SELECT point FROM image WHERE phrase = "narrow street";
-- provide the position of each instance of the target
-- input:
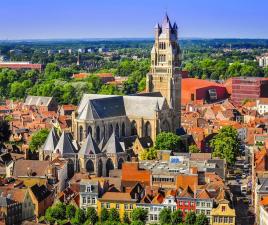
(242, 202)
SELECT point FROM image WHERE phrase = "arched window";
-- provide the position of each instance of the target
(123, 130)
(111, 129)
(104, 132)
(147, 129)
(117, 130)
(109, 166)
(165, 126)
(100, 165)
(120, 163)
(98, 134)
(90, 166)
(133, 128)
(80, 133)
(89, 130)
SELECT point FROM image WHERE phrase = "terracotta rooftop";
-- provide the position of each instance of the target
(116, 196)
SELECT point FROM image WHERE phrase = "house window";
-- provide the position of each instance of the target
(192, 203)
(93, 200)
(102, 205)
(186, 203)
(130, 206)
(197, 203)
(223, 209)
(208, 204)
(226, 219)
(88, 200)
(230, 219)
(117, 206)
(203, 204)
(126, 206)
(220, 219)
(108, 205)
(89, 189)
(84, 200)
(215, 219)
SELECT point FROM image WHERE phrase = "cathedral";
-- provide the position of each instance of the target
(102, 122)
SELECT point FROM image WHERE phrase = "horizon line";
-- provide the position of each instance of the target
(127, 38)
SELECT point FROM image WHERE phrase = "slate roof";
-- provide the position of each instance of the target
(113, 145)
(40, 192)
(37, 100)
(166, 23)
(65, 145)
(89, 147)
(94, 106)
(51, 141)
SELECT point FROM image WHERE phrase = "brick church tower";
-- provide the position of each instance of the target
(164, 76)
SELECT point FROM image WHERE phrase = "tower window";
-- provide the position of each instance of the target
(162, 58)
(162, 45)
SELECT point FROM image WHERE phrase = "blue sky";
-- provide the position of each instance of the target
(35, 19)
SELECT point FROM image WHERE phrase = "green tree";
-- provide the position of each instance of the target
(148, 154)
(137, 222)
(94, 84)
(165, 216)
(190, 218)
(226, 144)
(114, 215)
(201, 219)
(49, 216)
(4, 131)
(38, 139)
(139, 214)
(70, 211)
(80, 217)
(176, 217)
(194, 149)
(17, 90)
(104, 215)
(126, 219)
(167, 141)
(92, 216)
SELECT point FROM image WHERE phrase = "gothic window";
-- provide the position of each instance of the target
(133, 128)
(162, 45)
(100, 165)
(104, 131)
(90, 166)
(162, 58)
(165, 126)
(123, 130)
(80, 133)
(109, 166)
(147, 129)
(117, 130)
(120, 163)
(89, 130)
(98, 134)
(111, 129)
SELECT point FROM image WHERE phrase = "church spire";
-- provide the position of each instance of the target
(166, 23)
